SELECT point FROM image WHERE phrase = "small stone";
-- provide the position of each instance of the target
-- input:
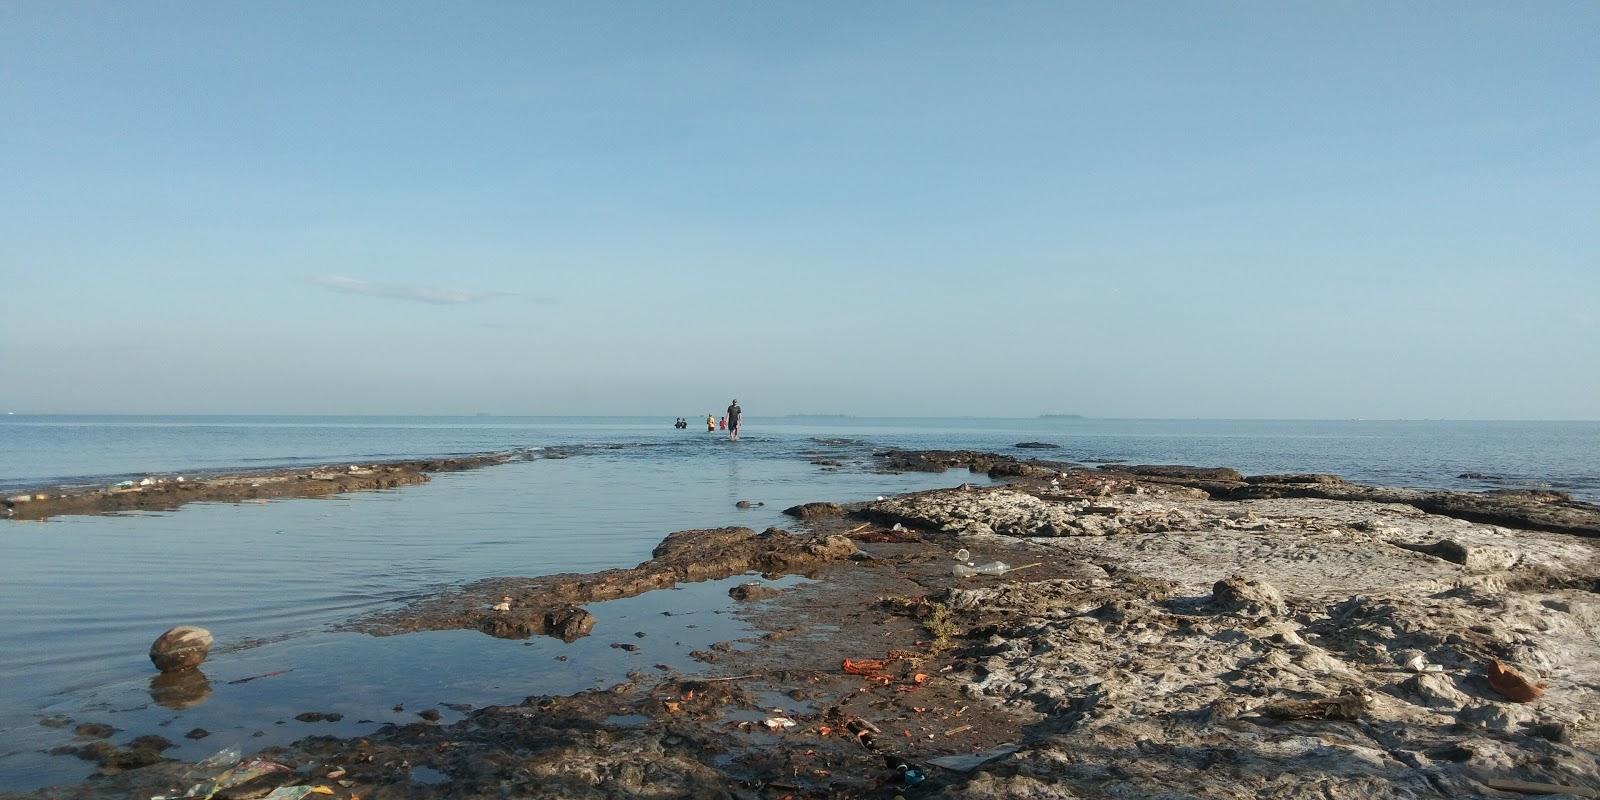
(1435, 690)
(131, 758)
(94, 730)
(197, 734)
(150, 741)
(752, 591)
(431, 715)
(1552, 730)
(628, 646)
(183, 647)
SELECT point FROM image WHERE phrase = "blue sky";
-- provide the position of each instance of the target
(1153, 209)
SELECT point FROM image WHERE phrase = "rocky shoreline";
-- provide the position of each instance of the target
(166, 492)
(1157, 632)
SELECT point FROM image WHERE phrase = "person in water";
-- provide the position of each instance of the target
(734, 411)
(711, 424)
(722, 423)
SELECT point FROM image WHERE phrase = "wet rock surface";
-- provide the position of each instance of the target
(182, 648)
(517, 608)
(994, 464)
(812, 510)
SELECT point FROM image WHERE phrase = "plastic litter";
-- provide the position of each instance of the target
(1511, 684)
(296, 792)
(1419, 664)
(991, 568)
(226, 757)
(233, 776)
(971, 761)
(963, 556)
(898, 527)
(779, 723)
(863, 666)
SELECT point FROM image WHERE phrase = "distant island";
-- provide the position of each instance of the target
(1060, 416)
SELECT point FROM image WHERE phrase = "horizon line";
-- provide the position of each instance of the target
(1037, 417)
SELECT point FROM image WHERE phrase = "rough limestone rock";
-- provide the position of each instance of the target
(1434, 690)
(1484, 558)
(183, 647)
(814, 510)
(1240, 595)
(569, 623)
(1003, 511)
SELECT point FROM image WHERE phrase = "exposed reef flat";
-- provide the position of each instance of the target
(1155, 633)
(164, 492)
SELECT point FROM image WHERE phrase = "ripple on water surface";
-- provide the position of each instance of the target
(87, 595)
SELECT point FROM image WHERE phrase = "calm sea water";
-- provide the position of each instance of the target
(82, 597)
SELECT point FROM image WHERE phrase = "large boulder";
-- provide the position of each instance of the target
(183, 647)
(814, 510)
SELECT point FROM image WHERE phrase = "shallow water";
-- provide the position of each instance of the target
(84, 596)
(35, 450)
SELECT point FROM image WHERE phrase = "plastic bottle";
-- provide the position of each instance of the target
(991, 568)
(963, 556)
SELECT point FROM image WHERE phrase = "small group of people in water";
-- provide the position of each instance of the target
(728, 422)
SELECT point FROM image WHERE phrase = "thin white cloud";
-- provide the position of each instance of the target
(399, 291)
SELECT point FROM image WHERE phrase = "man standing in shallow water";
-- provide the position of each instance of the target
(733, 421)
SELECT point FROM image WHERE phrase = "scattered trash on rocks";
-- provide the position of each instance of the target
(1348, 707)
(296, 792)
(1511, 684)
(970, 762)
(991, 568)
(230, 775)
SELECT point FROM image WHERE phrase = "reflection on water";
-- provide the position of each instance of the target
(180, 690)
